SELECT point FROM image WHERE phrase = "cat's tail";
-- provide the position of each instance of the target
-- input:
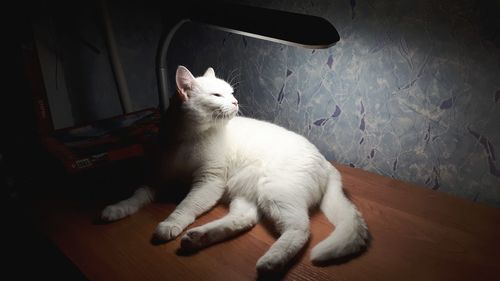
(351, 232)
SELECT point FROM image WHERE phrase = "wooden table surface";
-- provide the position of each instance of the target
(417, 234)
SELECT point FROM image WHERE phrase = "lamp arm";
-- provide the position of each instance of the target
(162, 65)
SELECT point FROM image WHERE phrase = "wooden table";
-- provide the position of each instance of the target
(418, 234)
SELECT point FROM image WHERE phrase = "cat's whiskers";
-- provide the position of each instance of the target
(220, 117)
(235, 73)
(236, 85)
(216, 111)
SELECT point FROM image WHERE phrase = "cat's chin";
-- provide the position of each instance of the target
(233, 114)
(227, 116)
(222, 120)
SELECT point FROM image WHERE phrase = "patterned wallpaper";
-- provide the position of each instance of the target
(412, 90)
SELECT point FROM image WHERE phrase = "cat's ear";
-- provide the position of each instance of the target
(185, 81)
(209, 73)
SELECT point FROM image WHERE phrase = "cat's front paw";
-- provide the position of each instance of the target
(194, 239)
(115, 212)
(167, 231)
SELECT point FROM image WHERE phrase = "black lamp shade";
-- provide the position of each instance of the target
(272, 25)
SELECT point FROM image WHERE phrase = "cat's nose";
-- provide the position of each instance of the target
(235, 102)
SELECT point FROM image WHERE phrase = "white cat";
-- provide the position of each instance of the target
(260, 168)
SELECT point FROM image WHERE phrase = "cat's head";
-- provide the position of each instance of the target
(206, 100)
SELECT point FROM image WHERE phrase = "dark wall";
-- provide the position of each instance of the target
(71, 44)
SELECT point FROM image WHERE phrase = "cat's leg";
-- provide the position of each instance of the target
(142, 196)
(242, 216)
(292, 221)
(204, 194)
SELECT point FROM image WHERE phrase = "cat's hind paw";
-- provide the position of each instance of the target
(167, 231)
(270, 263)
(194, 239)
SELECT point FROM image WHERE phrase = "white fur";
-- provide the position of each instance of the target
(260, 168)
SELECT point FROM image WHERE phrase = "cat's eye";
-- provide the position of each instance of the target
(217, 95)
